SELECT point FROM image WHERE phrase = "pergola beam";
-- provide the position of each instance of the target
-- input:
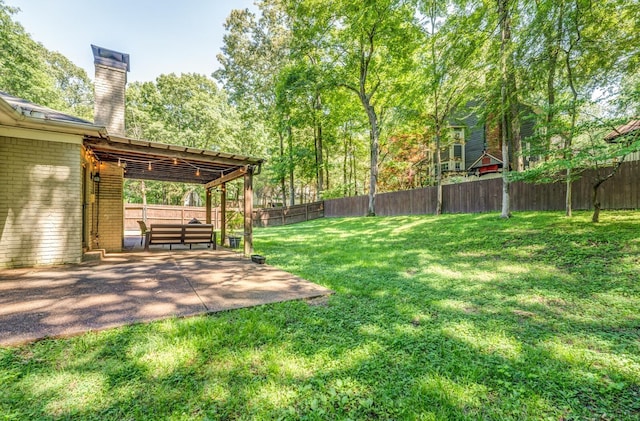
(227, 177)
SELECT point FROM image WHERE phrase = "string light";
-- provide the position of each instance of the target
(119, 163)
(149, 167)
(197, 172)
(175, 161)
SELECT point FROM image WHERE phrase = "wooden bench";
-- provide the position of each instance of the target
(180, 234)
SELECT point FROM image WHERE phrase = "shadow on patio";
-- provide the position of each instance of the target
(137, 286)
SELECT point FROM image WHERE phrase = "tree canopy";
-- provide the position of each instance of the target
(30, 71)
(347, 98)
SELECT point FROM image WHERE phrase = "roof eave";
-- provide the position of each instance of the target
(12, 117)
(185, 149)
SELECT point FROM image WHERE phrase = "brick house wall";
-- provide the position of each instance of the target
(109, 209)
(40, 201)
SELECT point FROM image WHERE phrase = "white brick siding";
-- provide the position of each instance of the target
(40, 202)
(109, 90)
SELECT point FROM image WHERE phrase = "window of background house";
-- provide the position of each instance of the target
(457, 151)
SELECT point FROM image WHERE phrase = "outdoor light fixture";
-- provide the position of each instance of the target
(149, 167)
(96, 177)
(197, 172)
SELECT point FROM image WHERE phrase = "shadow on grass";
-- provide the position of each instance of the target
(448, 318)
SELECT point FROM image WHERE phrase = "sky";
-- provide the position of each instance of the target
(160, 36)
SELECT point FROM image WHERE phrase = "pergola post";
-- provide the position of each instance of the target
(248, 212)
(223, 213)
(208, 205)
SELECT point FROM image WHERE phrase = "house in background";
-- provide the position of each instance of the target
(471, 147)
(61, 177)
(626, 133)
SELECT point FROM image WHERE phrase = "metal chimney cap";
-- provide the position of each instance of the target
(110, 58)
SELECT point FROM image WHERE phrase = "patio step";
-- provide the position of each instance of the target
(93, 255)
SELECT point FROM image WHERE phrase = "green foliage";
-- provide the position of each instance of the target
(188, 110)
(413, 64)
(590, 151)
(321, 89)
(23, 70)
(30, 71)
(72, 84)
(432, 318)
(160, 193)
(235, 222)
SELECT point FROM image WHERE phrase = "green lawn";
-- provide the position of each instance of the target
(450, 317)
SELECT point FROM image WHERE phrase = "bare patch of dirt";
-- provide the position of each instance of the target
(322, 301)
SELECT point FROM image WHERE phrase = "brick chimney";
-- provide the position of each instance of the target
(110, 81)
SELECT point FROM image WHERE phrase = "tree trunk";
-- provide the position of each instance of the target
(326, 158)
(437, 119)
(596, 204)
(345, 164)
(292, 187)
(573, 111)
(516, 138)
(553, 48)
(319, 161)
(514, 120)
(599, 181)
(438, 157)
(503, 12)
(506, 196)
(567, 200)
(354, 173)
(282, 180)
(374, 147)
(319, 147)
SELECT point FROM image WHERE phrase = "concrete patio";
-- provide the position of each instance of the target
(137, 287)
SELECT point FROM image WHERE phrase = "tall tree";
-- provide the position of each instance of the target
(447, 61)
(254, 52)
(505, 107)
(368, 42)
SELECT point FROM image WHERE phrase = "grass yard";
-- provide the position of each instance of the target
(450, 317)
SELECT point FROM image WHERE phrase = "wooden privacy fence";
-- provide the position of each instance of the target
(620, 192)
(262, 217)
(269, 217)
(165, 214)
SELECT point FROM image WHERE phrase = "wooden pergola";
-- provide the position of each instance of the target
(145, 160)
